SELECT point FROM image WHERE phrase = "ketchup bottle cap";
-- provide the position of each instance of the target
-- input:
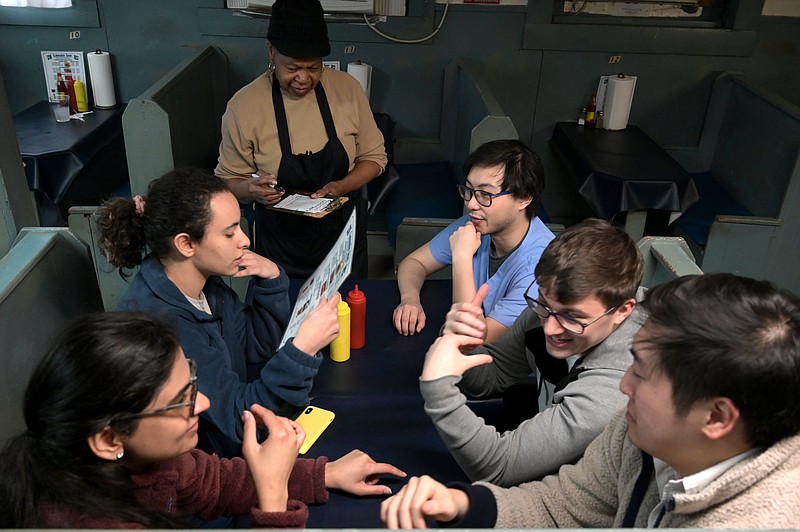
(355, 295)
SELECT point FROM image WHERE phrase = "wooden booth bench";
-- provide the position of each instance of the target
(169, 125)
(471, 116)
(175, 122)
(747, 172)
(46, 281)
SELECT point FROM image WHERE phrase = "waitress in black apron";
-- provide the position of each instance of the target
(299, 243)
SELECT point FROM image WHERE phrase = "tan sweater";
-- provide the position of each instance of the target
(250, 136)
(762, 491)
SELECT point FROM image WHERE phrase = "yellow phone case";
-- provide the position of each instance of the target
(314, 421)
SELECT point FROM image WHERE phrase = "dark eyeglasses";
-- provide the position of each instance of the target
(190, 387)
(565, 320)
(481, 196)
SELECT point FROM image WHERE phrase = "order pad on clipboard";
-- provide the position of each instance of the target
(325, 280)
(303, 204)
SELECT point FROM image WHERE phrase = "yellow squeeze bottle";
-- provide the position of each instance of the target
(80, 97)
(340, 347)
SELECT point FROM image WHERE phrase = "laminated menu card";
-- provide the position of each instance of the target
(325, 280)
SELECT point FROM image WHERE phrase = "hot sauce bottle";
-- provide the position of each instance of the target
(358, 317)
(591, 111)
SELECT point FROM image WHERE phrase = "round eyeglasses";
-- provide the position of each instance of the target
(190, 389)
(481, 196)
(565, 320)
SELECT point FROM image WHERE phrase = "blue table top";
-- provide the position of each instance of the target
(619, 171)
(38, 133)
(58, 155)
(389, 363)
(379, 410)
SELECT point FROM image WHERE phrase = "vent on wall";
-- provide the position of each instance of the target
(366, 7)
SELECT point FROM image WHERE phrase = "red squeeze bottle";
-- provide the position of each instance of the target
(73, 101)
(358, 317)
(61, 87)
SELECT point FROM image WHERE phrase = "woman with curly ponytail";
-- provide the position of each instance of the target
(185, 235)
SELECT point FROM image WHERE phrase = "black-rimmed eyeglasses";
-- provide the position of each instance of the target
(569, 323)
(190, 388)
(481, 196)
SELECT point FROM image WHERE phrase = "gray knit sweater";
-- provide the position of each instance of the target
(557, 435)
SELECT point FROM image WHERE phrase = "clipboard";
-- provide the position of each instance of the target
(332, 206)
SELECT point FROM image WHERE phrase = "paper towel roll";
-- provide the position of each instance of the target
(363, 73)
(618, 100)
(102, 80)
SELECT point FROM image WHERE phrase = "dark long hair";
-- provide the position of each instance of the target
(177, 202)
(101, 366)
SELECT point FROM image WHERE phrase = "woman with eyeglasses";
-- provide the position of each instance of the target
(112, 413)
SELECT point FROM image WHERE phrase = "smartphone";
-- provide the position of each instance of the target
(314, 421)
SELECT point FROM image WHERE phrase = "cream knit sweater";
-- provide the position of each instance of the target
(762, 491)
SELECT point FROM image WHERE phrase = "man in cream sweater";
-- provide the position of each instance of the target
(710, 437)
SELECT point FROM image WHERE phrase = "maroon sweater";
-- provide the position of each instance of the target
(207, 486)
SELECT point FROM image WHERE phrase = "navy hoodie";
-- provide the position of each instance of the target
(224, 344)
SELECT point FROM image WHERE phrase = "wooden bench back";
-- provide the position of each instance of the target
(176, 122)
(757, 147)
(46, 281)
(751, 146)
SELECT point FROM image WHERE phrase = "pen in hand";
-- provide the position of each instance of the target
(274, 187)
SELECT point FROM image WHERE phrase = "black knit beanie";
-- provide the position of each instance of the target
(297, 29)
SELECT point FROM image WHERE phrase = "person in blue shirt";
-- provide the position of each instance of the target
(190, 223)
(498, 242)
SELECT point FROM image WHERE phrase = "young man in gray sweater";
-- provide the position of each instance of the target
(584, 316)
(710, 437)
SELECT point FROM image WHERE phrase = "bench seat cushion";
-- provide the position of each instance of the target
(424, 190)
(714, 200)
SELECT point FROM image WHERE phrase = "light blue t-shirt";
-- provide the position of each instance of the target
(504, 303)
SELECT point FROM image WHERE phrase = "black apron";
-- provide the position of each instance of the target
(299, 243)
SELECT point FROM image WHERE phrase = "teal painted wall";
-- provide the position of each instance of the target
(541, 73)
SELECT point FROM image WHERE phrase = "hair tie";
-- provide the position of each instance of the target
(140, 203)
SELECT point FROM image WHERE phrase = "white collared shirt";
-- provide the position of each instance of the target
(669, 484)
